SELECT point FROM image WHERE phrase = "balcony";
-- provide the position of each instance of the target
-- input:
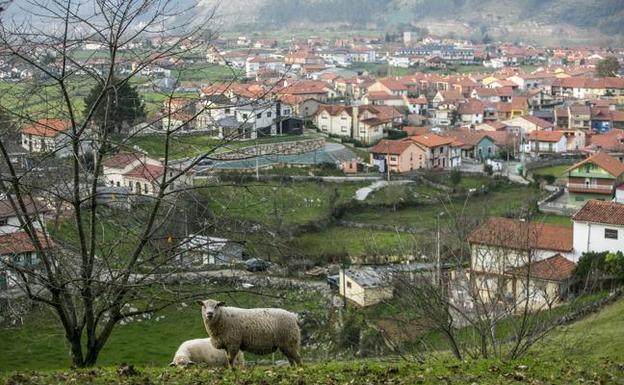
(589, 188)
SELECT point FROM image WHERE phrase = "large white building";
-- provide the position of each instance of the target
(598, 227)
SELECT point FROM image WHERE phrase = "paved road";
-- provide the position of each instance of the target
(363, 193)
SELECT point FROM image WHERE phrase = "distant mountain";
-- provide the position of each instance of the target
(551, 20)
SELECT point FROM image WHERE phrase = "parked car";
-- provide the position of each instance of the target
(333, 281)
(256, 264)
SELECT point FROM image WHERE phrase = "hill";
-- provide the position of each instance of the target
(550, 21)
(589, 351)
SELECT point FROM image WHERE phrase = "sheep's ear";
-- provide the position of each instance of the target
(220, 303)
(172, 364)
(200, 302)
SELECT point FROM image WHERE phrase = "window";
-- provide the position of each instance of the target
(259, 116)
(227, 111)
(245, 116)
(268, 114)
(611, 234)
(118, 184)
(145, 189)
(4, 221)
(349, 285)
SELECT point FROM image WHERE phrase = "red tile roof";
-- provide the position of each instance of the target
(604, 161)
(394, 147)
(19, 242)
(431, 140)
(6, 210)
(556, 268)
(146, 171)
(541, 123)
(546, 136)
(610, 213)
(612, 141)
(121, 160)
(47, 127)
(521, 235)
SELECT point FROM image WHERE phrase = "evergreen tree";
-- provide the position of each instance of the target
(120, 107)
(607, 67)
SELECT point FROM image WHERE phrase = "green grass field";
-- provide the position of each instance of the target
(336, 242)
(207, 73)
(498, 202)
(557, 171)
(40, 343)
(294, 203)
(588, 351)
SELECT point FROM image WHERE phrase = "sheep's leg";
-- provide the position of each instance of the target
(232, 353)
(293, 356)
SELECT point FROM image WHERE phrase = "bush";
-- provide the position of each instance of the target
(488, 169)
(396, 134)
(455, 177)
(550, 179)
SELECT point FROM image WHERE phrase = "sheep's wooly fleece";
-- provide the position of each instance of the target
(259, 331)
(200, 351)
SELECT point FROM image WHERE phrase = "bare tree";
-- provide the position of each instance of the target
(89, 281)
(495, 297)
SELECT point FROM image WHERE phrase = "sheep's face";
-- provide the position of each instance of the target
(210, 308)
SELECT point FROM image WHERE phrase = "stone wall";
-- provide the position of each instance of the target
(280, 148)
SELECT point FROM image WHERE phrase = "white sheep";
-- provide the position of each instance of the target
(201, 350)
(258, 331)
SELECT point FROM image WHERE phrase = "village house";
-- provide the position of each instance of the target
(542, 284)
(137, 173)
(527, 124)
(10, 216)
(501, 245)
(47, 135)
(17, 249)
(334, 120)
(477, 145)
(546, 142)
(438, 150)
(399, 155)
(598, 227)
(573, 117)
(611, 142)
(595, 177)
(365, 123)
(364, 286)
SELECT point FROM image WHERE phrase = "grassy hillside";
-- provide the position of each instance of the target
(589, 351)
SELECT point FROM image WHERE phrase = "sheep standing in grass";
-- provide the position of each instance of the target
(202, 351)
(258, 331)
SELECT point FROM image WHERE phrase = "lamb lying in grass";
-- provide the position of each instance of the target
(202, 351)
(258, 331)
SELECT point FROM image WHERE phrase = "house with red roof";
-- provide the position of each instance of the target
(19, 252)
(541, 284)
(599, 227)
(546, 142)
(398, 155)
(366, 123)
(595, 177)
(137, 174)
(46, 135)
(501, 248)
(438, 148)
(527, 124)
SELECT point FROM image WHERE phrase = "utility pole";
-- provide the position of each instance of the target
(257, 155)
(388, 159)
(438, 275)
